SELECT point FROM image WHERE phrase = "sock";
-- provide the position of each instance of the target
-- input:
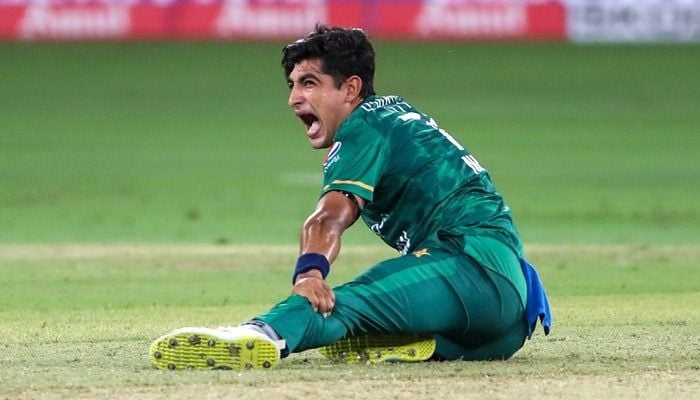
(268, 331)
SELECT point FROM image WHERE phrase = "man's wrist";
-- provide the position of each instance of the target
(312, 273)
(311, 261)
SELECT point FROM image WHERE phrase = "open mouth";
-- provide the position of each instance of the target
(313, 125)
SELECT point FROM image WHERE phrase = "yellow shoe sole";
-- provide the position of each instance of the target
(382, 348)
(203, 348)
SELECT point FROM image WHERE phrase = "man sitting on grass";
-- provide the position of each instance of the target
(460, 288)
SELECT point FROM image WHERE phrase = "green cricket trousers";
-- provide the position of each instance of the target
(473, 312)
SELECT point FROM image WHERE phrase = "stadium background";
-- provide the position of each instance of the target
(152, 176)
(166, 120)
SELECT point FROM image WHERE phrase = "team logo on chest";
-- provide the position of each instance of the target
(332, 156)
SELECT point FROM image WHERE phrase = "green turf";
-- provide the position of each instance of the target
(193, 142)
(77, 321)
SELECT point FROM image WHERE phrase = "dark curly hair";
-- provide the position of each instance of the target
(343, 52)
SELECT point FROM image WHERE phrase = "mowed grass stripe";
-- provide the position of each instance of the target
(619, 252)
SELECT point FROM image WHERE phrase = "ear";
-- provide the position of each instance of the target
(353, 86)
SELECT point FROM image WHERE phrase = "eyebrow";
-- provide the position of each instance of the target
(308, 75)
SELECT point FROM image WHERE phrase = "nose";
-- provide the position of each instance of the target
(295, 98)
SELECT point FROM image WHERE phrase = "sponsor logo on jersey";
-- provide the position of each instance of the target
(332, 156)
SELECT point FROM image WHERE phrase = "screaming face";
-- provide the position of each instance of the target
(319, 103)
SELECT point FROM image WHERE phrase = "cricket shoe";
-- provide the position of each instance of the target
(380, 348)
(237, 348)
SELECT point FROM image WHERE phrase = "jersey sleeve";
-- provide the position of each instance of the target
(356, 165)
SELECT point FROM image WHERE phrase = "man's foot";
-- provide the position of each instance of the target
(383, 348)
(236, 348)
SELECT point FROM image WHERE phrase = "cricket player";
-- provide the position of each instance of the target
(459, 288)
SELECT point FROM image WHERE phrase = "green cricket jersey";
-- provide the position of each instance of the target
(422, 187)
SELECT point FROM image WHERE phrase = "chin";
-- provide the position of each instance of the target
(319, 146)
(320, 143)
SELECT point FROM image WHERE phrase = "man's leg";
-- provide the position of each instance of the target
(497, 329)
(500, 349)
(434, 293)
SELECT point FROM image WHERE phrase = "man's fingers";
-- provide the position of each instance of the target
(327, 299)
(322, 300)
(305, 290)
(314, 300)
(317, 292)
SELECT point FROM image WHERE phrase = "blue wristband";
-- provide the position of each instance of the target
(311, 261)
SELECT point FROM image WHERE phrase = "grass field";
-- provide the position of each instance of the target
(77, 321)
(148, 186)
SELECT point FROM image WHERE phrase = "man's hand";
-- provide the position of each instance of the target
(311, 285)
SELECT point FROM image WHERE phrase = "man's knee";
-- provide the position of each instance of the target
(501, 348)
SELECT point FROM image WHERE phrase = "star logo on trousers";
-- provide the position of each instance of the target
(420, 253)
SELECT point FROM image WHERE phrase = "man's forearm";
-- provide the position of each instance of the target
(322, 231)
(321, 235)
